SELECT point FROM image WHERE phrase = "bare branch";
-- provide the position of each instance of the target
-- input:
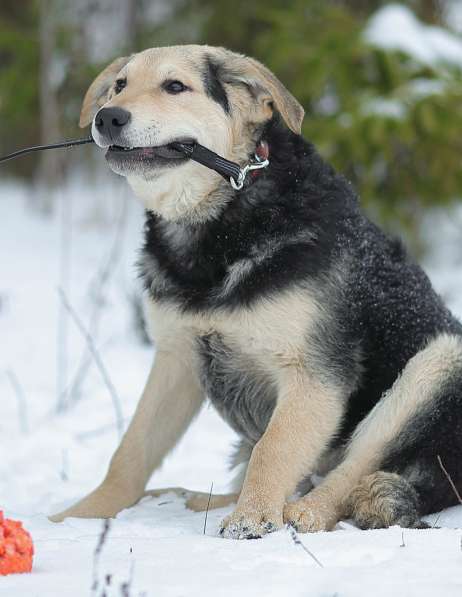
(65, 270)
(448, 476)
(99, 282)
(65, 466)
(97, 554)
(21, 400)
(98, 361)
(298, 542)
(126, 587)
(207, 509)
(437, 519)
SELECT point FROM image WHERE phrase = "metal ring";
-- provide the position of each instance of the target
(238, 185)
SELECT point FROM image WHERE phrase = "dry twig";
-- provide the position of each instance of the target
(126, 587)
(97, 554)
(402, 539)
(98, 361)
(99, 283)
(65, 270)
(21, 400)
(207, 509)
(448, 476)
(298, 542)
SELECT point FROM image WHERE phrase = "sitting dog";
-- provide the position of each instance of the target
(313, 334)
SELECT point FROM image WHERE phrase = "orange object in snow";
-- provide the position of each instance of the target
(16, 547)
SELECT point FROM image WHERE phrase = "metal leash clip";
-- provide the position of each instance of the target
(258, 165)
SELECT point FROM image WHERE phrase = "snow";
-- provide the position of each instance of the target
(395, 27)
(393, 109)
(53, 458)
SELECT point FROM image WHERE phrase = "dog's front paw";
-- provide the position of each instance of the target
(310, 514)
(246, 524)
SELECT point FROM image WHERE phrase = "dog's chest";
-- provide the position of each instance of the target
(238, 354)
(273, 331)
(242, 326)
(243, 393)
(225, 265)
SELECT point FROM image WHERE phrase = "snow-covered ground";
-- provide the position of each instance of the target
(49, 458)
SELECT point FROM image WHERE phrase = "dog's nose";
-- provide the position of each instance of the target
(109, 121)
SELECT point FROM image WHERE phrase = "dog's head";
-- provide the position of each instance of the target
(141, 104)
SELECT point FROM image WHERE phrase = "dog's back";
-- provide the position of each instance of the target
(395, 311)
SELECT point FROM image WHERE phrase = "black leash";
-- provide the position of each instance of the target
(70, 143)
(208, 158)
(229, 170)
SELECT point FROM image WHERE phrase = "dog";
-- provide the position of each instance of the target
(313, 333)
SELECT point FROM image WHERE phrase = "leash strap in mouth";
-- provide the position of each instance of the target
(227, 169)
(70, 143)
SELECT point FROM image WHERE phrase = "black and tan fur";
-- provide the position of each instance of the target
(313, 334)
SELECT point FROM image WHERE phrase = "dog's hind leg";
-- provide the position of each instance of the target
(384, 499)
(198, 501)
(425, 382)
(171, 398)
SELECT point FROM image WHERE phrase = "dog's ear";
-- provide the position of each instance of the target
(266, 88)
(98, 90)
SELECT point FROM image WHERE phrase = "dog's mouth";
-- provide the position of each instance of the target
(175, 151)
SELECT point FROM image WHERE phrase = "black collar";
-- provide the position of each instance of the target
(229, 170)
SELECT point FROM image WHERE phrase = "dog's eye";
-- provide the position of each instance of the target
(119, 85)
(174, 87)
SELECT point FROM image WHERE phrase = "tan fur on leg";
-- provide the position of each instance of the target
(169, 402)
(418, 383)
(314, 512)
(198, 501)
(305, 418)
